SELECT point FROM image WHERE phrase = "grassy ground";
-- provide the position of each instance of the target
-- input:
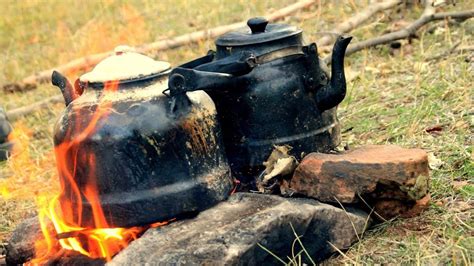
(396, 97)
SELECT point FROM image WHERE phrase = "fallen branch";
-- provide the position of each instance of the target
(87, 62)
(406, 32)
(22, 111)
(212, 33)
(356, 20)
(180, 40)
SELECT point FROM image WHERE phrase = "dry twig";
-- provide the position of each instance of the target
(22, 111)
(356, 20)
(406, 32)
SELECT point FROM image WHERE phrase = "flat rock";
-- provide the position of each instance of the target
(230, 233)
(379, 173)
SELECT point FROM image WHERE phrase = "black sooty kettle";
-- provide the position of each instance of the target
(269, 89)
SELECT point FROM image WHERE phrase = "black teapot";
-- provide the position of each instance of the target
(127, 152)
(269, 89)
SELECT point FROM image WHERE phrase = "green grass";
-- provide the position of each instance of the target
(393, 100)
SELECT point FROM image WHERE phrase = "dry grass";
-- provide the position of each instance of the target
(394, 100)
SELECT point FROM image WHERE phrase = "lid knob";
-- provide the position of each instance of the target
(257, 25)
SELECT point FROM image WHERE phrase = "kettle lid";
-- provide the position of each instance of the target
(258, 31)
(125, 65)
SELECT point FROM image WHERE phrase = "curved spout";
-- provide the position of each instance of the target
(65, 86)
(333, 93)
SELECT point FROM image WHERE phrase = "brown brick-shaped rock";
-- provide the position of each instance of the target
(376, 172)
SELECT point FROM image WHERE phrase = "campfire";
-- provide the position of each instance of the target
(93, 243)
(146, 153)
(64, 211)
(101, 207)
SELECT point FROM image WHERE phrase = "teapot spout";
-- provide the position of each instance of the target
(333, 93)
(65, 86)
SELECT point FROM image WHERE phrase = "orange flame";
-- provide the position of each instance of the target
(101, 241)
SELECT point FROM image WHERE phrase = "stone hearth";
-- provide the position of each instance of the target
(229, 233)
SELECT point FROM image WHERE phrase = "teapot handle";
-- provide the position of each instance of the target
(183, 80)
(208, 75)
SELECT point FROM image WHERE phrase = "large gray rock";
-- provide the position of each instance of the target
(229, 233)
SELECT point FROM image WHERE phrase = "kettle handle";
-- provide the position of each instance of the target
(206, 74)
(184, 80)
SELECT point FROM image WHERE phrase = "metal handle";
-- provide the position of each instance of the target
(210, 76)
(219, 75)
(184, 80)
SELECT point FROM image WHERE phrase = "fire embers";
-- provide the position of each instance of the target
(58, 236)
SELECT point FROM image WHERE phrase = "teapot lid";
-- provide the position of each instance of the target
(258, 31)
(125, 65)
